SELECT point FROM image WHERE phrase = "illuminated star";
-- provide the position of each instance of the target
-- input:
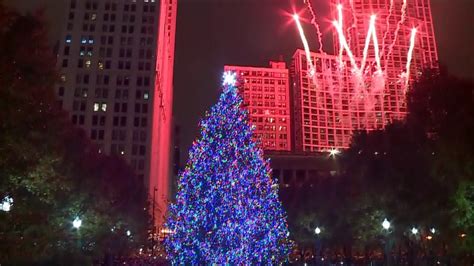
(229, 78)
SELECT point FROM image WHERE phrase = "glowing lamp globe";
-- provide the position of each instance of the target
(317, 230)
(414, 231)
(77, 223)
(386, 224)
(6, 204)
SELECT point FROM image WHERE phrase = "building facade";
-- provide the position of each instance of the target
(380, 48)
(161, 162)
(333, 103)
(266, 96)
(299, 169)
(107, 59)
(393, 26)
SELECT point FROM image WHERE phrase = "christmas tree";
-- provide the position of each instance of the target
(227, 209)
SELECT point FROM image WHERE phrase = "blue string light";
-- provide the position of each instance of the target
(227, 210)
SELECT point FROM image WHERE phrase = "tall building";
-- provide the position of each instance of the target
(329, 106)
(381, 47)
(265, 92)
(108, 62)
(160, 159)
(393, 26)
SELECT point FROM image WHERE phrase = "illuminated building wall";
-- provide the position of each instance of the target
(265, 93)
(107, 69)
(160, 162)
(393, 26)
(107, 59)
(328, 108)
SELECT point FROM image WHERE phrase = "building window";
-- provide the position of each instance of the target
(66, 50)
(100, 107)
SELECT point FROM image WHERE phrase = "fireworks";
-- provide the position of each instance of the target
(344, 48)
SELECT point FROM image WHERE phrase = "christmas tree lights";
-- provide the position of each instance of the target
(227, 209)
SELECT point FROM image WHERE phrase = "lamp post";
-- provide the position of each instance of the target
(6, 204)
(319, 255)
(77, 223)
(386, 226)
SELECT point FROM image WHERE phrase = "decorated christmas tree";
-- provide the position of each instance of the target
(227, 209)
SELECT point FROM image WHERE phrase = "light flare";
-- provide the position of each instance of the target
(367, 42)
(305, 45)
(343, 42)
(376, 43)
(339, 21)
(410, 55)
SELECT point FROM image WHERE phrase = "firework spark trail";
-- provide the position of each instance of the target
(387, 27)
(354, 20)
(306, 47)
(399, 24)
(345, 45)
(357, 74)
(367, 41)
(315, 24)
(409, 57)
(376, 43)
(339, 13)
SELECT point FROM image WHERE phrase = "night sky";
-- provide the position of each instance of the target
(212, 33)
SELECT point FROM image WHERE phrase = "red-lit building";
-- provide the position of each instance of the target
(330, 106)
(161, 162)
(393, 26)
(265, 92)
(363, 85)
(115, 60)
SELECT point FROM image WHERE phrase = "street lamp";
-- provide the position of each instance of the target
(318, 247)
(433, 230)
(6, 204)
(317, 230)
(334, 152)
(128, 233)
(77, 223)
(414, 231)
(386, 224)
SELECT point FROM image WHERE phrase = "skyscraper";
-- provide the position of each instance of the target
(161, 148)
(380, 48)
(108, 60)
(331, 105)
(394, 22)
(265, 92)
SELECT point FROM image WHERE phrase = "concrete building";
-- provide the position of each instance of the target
(109, 55)
(265, 92)
(297, 169)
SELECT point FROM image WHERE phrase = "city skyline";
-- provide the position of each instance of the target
(313, 121)
(266, 23)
